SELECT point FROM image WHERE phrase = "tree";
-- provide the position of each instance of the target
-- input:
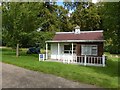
(64, 23)
(85, 15)
(21, 20)
(110, 22)
(18, 20)
(53, 18)
(104, 16)
(39, 37)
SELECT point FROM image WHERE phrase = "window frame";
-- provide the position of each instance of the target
(70, 49)
(91, 48)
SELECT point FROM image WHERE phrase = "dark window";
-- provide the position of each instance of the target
(68, 48)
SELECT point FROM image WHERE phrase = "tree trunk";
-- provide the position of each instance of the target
(17, 50)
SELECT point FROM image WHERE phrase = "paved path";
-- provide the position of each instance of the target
(17, 77)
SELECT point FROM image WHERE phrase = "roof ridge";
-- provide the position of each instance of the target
(80, 32)
(91, 31)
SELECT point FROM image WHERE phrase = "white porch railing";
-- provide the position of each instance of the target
(84, 60)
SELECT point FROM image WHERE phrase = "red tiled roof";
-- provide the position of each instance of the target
(82, 36)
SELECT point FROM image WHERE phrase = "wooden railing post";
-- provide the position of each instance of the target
(43, 57)
(68, 59)
(103, 61)
(17, 50)
(75, 58)
(63, 57)
(58, 56)
(72, 52)
(39, 57)
(46, 51)
(85, 60)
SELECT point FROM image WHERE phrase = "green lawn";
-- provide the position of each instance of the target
(99, 76)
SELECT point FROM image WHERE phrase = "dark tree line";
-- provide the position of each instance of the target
(34, 22)
(102, 15)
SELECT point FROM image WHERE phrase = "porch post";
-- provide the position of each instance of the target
(85, 60)
(103, 60)
(46, 51)
(58, 56)
(72, 52)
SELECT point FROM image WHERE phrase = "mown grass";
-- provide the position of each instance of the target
(106, 77)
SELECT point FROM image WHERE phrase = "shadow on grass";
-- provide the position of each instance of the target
(21, 53)
(110, 69)
(25, 54)
(10, 51)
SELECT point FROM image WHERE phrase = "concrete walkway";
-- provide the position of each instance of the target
(17, 77)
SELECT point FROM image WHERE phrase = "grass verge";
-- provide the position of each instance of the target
(106, 77)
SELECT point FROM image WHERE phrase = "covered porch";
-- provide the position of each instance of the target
(72, 56)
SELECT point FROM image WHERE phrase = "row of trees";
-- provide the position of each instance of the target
(34, 22)
(22, 21)
(102, 15)
(110, 16)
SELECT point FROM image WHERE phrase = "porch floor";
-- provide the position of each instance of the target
(51, 60)
(77, 63)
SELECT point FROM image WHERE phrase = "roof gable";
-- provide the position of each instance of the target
(84, 35)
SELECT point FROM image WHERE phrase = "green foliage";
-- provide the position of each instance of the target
(22, 20)
(103, 15)
(106, 77)
(86, 18)
(18, 19)
(110, 23)
(40, 37)
(85, 15)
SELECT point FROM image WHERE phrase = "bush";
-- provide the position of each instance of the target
(112, 49)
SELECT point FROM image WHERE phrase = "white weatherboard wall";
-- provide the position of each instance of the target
(54, 51)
